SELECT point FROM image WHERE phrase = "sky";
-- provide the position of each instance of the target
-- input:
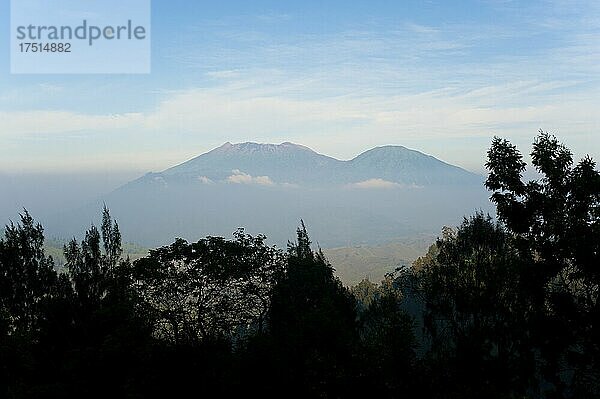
(340, 77)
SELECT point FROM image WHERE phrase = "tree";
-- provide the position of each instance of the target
(207, 301)
(474, 312)
(92, 270)
(106, 332)
(365, 293)
(214, 288)
(27, 278)
(388, 360)
(312, 324)
(556, 221)
(27, 287)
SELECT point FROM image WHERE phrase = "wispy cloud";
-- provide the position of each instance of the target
(375, 184)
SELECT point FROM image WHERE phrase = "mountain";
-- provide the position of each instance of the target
(283, 163)
(400, 165)
(289, 163)
(383, 194)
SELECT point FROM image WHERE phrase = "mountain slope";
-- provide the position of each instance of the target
(401, 165)
(283, 163)
(289, 163)
(379, 196)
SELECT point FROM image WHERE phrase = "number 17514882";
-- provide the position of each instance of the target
(45, 47)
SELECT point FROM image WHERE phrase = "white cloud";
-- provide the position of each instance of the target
(375, 184)
(205, 180)
(239, 177)
(251, 113)
(160, 180)
(338, 126)
(379, 184)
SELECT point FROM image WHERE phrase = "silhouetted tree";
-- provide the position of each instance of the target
(206, 300)
(27, 278)
(209, 289)
(312, 324)
(102, 331)
(91, 268)
(388, 360)
(474, 313)
(556, 220)
(27, 286)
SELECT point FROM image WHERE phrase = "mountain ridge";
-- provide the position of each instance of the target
(380, 195)
(291, 163)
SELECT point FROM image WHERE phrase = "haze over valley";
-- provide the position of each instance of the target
(383, 194)
(387, 197)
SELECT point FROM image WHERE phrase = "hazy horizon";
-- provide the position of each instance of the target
(382, 195)
(340, 78)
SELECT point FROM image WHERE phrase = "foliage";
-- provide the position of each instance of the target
(474, 311)
(26, 278)
(556, 223)
(209, 289)
(312, 322)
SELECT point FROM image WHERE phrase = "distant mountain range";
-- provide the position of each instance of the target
(293, 164)
(384, 194)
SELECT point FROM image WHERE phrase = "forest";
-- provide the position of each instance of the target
(502, 306)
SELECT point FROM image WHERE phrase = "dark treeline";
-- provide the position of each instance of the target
(495, 309)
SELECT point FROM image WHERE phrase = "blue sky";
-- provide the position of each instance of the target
(338, 76)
